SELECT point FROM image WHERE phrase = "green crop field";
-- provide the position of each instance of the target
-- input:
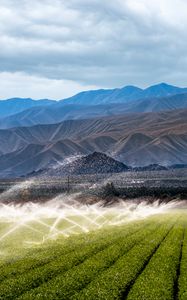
(140, 259)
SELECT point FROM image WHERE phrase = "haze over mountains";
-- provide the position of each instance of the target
(138, 127)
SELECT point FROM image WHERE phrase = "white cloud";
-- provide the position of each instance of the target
(23, 85)
(94, 43)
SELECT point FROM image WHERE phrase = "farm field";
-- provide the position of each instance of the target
(94, 257)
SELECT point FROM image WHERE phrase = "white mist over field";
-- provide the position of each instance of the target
(64, 216)
(15, 189)
(37, 222)
(65, 205)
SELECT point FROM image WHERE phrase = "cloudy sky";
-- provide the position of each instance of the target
(53, 49)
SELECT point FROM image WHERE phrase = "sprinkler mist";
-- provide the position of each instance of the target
(64, 216)
(16, 190)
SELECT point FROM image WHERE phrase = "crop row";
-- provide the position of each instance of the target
(113, 282)
(68, 243)
(64, 285)
(183, 271)
(40, 258)
(159, 278)
(12, 287)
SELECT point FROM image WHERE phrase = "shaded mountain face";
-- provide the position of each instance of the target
(137, 127)
(59, 112)
(95, 163)
(16, 105)
(152, 167)
(136, 140)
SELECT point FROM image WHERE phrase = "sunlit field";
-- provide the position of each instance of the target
(62, 250)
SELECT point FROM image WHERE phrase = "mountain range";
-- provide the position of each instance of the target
(48, 113)
(134, 139)
(95, 97)
(124, 95)
(137, 127)
(15, 105)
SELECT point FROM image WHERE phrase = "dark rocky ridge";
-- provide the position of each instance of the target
(95, 163)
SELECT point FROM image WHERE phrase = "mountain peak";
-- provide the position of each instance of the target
(164, 84)
(131, 88)
(163, 90)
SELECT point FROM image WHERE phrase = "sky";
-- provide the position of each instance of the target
(54, 49)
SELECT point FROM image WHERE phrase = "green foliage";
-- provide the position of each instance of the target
(37, 275)
(53, 250)
(183, 271)
(139, 260)
(113, 282)
(76, 278)
(157, 281)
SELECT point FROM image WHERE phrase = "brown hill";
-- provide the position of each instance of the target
(135, 139)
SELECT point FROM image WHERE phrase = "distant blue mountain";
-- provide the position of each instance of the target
(124, 95)
(15, 105)
(58, 112)
(134, 98)
(163, 90)
(103, 96)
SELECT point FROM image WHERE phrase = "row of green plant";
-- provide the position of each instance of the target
(54, 250)
(158, 281)
(182, 295)
(113, 282)
(65, 285)
(15, 286)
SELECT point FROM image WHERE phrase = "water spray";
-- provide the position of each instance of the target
(64, 216)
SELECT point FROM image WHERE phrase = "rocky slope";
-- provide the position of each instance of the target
(134, 139)
(95, 163)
